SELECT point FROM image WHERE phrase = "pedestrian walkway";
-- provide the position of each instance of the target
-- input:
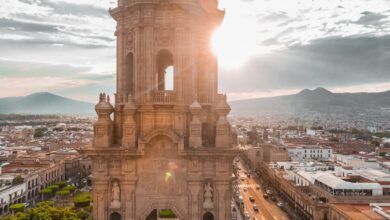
(241, 186)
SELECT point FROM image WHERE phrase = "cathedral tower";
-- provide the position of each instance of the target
(164, 147)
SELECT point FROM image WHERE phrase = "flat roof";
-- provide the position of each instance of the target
(358, 211)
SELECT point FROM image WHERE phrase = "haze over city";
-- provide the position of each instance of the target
(265, 48)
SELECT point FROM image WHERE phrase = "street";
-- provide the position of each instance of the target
(268, 210)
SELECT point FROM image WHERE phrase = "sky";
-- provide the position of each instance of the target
(265, 47)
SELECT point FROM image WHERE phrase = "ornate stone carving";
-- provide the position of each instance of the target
(208, 196)
(164, 37)
(115, 195)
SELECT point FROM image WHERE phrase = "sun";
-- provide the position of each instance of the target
(233, 46)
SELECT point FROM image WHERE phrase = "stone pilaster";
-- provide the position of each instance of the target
(129, 200)
(223, 126)
(195, 200)
(129, 136)
(118, 120)
(224, 209)
(100, 202)
(195, 126)
(148, 65)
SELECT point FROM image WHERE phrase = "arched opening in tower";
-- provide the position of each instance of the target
(115, 216)
(129, 74)
(165, 71)
(208, 216)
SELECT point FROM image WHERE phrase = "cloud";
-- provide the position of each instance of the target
(369, 18)
(282, 45)
(331, 62)
(20, 78)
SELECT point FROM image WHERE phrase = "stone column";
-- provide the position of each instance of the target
(194, 202)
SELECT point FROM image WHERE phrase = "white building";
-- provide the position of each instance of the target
(10, 194)
(357, 162)
(310, 153)
(335, 185)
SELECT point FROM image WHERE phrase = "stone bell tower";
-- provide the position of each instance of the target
(164, 147)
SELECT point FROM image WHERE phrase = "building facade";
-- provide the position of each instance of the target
(273, 153)
(168, 147)
(310, 153)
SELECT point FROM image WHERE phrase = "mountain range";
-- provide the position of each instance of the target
(44, 103)
(305, 103)
(316, 102)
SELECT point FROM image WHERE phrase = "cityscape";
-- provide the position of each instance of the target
(151, 110)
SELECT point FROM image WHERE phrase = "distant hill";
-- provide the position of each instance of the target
(316, 102)
(44, 103)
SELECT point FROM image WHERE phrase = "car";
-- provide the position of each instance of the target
(265, 196)
(255, 208)
(251, 199)
(268, 191)
(280, 204)
(245, 189)
(247, 216)
(257, 187)
(273, 198)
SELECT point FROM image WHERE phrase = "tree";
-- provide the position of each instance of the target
(82, 199)
(45, 211)
(17, 180)
(19, 207)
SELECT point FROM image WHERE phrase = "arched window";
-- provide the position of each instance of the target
(115, 216)
(208, 216)
(165, 70)
(129, 74)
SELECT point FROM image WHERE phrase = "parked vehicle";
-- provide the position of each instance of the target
(251, 199)
(273, 198)
(265, 196)
(280, 204)
(255, 208)
(247, 216)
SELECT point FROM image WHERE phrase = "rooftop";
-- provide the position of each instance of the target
(361, 211)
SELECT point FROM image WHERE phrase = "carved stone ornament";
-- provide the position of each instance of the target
(115, 195)
(208, 196)
(164, 37)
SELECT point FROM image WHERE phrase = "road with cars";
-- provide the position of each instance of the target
(253, 196)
